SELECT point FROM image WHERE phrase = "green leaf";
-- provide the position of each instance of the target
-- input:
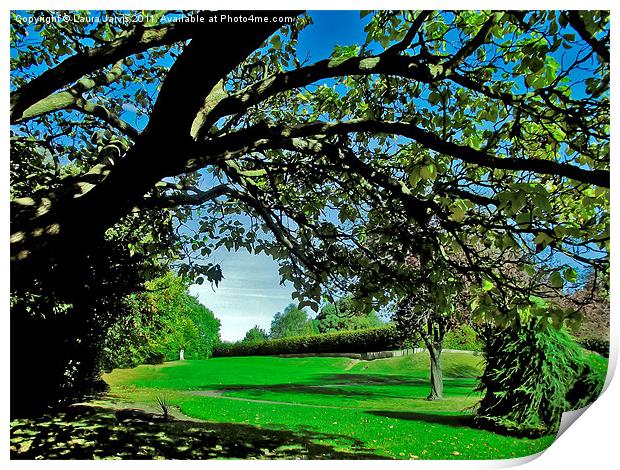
(487, 285)
(428, 172)
(535, 64)
(559, 231)
(276, 42)
(414, 178)
(434, 98)
(543, 239)
(556, 280)
(570, 275)
(458, 213)
(538, 302)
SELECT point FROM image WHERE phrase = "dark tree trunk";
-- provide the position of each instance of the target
(434, 351)
(58, 249)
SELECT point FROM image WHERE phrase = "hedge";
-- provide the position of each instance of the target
(384, 338)
(600, 346)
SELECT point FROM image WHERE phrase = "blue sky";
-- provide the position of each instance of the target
(250, 293)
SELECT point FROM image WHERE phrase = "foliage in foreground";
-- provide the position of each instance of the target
(343, 315)
(533, 375)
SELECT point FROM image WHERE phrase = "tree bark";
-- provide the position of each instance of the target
(434, 351)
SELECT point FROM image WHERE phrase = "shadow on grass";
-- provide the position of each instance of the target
(338, 385)
(456, 421)
(88, 432)
(330, 390)
(379, 379)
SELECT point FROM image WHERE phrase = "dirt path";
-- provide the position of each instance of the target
(120, 405)
(220, 394)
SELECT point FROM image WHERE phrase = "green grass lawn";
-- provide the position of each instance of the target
(329, 407)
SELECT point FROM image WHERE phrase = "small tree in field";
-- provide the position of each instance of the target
(429, 313)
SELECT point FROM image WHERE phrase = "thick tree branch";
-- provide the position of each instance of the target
(67, 98)
(264, 136)
(105, 115)
(412, 67)
(185, 199)
(72, 99)
(461, 152)
(79, 65)
(408, 67)
(411, 33)
(578, 25)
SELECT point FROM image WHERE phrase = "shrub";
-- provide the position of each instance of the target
(532, 376)
(463, 337)
(154, 357)
(371, 339)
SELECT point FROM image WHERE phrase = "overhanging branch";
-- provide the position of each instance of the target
(79, 65)
(460, 152)
(578, 25)
(185, 199)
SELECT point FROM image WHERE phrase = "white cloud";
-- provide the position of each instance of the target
(130, 108)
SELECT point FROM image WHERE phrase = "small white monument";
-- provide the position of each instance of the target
(181, 354)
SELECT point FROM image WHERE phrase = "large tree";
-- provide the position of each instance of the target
(160, 322)
(463, 134)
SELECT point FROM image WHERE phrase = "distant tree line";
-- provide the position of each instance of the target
(341, 315)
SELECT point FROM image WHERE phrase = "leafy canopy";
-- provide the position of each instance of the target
(343, 315)
(479, 138)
